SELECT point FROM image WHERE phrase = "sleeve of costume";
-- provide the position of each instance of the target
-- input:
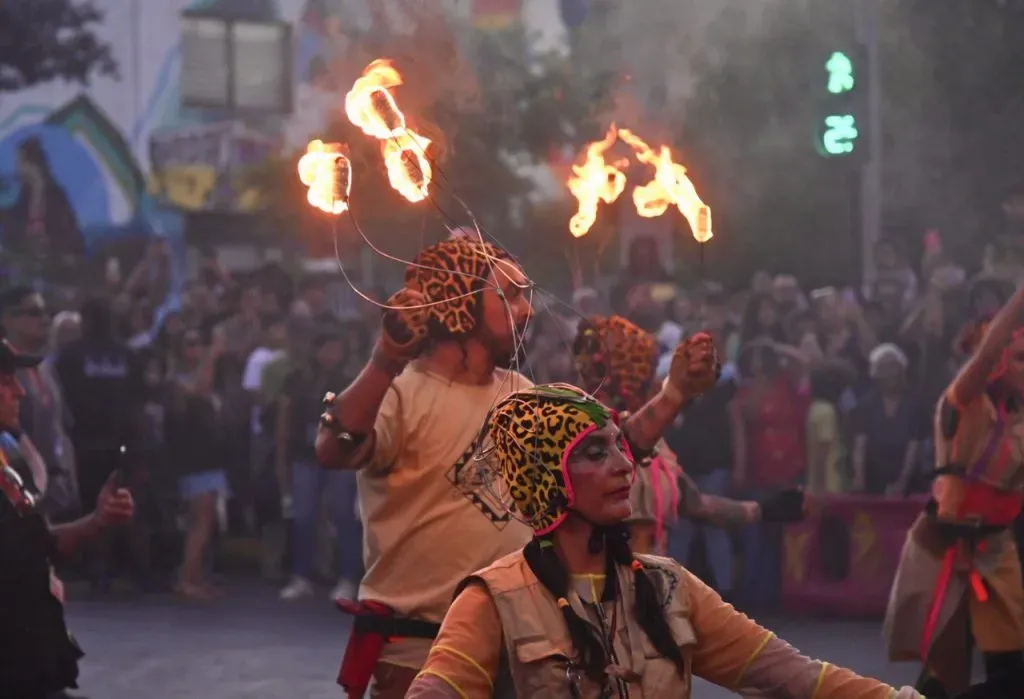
(463, 662)
(736, 653)
(388, 431)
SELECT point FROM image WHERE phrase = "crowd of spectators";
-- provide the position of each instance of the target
(207, 408)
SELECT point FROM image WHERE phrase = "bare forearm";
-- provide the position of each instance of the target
(72, 536)
(355, 412)
(713, 509)
(645, 427)
(971, 381)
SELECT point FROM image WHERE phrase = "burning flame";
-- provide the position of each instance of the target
(670, 186)
(328, 174)
(595, 181)
(371, 107)
(408, 168)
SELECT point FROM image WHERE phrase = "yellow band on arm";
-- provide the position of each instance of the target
(433, 673)
(821, 680)
(465, 658)
(753, 656)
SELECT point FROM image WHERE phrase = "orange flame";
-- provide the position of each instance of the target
(371, 107)
(408, 168)
(328, 174)
(595, 181)
(670, 186)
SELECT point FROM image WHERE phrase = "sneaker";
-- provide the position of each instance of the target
(298, 587)
(345, 589)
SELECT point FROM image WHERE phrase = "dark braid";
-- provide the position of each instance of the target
(648, 610)
(540, 556)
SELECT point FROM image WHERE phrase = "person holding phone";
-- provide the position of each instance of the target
(37, 655)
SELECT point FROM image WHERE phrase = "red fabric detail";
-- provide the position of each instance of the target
(363, 650)
(991, 504)
(941, 585)
(775, 427)
(994, 507)
(978, 585)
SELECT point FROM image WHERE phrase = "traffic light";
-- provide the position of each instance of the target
(840, 116)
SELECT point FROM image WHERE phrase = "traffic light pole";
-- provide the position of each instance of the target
(871, 173)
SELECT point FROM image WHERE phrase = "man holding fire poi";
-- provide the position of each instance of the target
(408, 423)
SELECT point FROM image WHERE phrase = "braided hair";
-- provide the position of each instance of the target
(543, 561)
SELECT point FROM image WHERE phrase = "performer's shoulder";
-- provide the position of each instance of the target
(649, 560)
(514, 380)
(507, 573)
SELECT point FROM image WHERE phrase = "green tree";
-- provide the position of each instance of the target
(951, 88)
(45, 40)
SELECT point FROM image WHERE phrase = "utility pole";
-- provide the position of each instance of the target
(871, 173)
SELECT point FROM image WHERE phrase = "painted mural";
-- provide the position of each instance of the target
(80, 164)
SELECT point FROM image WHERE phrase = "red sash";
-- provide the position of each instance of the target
(987, 505)
(363, 650)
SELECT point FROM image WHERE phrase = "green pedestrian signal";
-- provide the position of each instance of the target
(840, 73)
(840, 134)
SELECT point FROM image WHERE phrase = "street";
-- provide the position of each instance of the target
(251, 645)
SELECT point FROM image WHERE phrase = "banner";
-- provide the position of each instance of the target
(842, 559)
(495, 15)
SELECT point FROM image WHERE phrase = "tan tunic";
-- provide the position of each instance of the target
(917, 627)
(428, 516)
(505, 636)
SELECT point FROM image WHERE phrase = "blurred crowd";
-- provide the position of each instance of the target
(207, 408)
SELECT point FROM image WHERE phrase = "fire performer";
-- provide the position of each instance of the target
(408, 423)
(576, 613)
(959, 579)
(37, 655)
(616, 361)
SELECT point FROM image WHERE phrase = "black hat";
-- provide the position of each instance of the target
(11, 360)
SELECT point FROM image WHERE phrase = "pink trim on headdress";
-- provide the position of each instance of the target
(569, 492)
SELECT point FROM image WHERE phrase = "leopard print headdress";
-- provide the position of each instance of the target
(525, 443)
(451, 274)
(616, 356)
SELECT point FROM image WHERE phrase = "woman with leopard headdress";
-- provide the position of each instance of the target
(408, 423)
(616, 360)
(575, 613)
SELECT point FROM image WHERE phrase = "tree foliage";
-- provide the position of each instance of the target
(45, 40)
(953, 102)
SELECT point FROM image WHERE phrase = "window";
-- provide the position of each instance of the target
(235, 64)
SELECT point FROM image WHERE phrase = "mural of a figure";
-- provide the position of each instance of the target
(42, 220)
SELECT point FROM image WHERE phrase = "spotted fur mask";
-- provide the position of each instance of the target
(526, 442)
(616, 357)
(451, 275)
